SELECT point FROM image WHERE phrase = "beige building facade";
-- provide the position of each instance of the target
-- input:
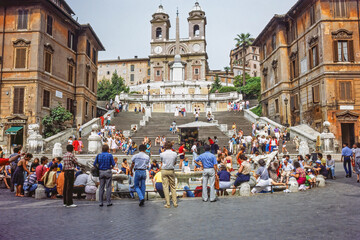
(252, 61)
(310, 57)
(134, 71)
(47, 58)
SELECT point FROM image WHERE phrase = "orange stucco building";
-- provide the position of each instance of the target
(310, 57)
(47, 58)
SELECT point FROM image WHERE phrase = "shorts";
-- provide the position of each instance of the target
(182, 156)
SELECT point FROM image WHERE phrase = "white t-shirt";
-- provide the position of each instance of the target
(194, 149)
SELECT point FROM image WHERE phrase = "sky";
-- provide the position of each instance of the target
(123, 26)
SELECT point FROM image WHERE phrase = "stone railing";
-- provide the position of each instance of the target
(303, 131)
(63, 136)
(180, 97)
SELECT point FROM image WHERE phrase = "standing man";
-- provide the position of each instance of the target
(105, 162)
(168, 160)
(13, 164)
(69, 174)
(209, 163)
(140, 163)
(346, 155)
(194, 151)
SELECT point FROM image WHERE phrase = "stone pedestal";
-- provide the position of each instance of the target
(294, 186)
(57, 150)
(320, 180)
(148, 111)
(94, 141)
(244, 189)
(327, 139)
(252, 181)
(40, 192)
(35, 141)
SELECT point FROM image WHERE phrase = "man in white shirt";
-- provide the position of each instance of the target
(286, 170)
(194, 151)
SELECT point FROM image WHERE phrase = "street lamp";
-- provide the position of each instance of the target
(208, 87)
(148, 101)
(286, 101)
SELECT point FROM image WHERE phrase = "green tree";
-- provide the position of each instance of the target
(109, 89)
(216, 84)
(244, 40)
(55, 122)
(252, 89)
(238, 81)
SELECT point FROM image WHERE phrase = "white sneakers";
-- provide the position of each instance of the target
(71, 206)
(287, 191)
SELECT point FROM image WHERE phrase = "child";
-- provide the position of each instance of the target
(185, 165)
(330, 165)
(310, 179)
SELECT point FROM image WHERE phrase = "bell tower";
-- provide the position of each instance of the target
(160, 25)
(197, 23)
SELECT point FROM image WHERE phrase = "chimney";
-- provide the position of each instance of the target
(136, 56)
(118, 57)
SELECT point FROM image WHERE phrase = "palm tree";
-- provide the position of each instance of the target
(227, 69)
(243, 40)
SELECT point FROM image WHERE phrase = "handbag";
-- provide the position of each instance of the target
(217, 183)
(95, 170)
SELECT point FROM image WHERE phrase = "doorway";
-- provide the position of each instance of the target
(348, 133)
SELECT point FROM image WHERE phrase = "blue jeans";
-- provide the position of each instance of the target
(347, 161)
(332, 169)
(139, 183)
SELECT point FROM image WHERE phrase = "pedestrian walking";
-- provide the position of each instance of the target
(209, 163)
(105, 162)
(356, 156)
(168, 160)
(69, 171)
(346, 156)
(140, 163)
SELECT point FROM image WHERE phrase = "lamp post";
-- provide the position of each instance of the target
(208, 87)
(148, 100)
(286, 101)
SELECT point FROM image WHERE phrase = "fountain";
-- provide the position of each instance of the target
(35, 143)
(304, 148)
(183, 178)
(57, 150)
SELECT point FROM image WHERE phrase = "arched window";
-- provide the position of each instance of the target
(196, 30)
(158, 32)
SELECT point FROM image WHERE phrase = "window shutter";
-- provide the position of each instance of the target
(342, 90)
(348, 91)
(351, 51)
(21, 100)
(335, 50)
(310, 59)
(291, 70)
(69, 39)
(317, 56)
(297, 102)
(296, 70)
(20, 19)
(16, 101)
(292, 103)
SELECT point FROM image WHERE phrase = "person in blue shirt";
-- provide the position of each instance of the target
(346, 156)
(209, 163)
(140, 163)
(105, 162)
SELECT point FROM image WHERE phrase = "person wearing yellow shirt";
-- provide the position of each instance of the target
(157, 181)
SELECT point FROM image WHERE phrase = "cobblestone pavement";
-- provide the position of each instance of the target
(323, 213)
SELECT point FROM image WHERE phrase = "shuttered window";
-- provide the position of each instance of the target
(94, 58)
(70, 105)
(46, 99)
(316, 93)
(88, 48)
(48, 61)
(343, 51)
(340, 8)
(87, 80)
(18, 104)
(86, 108)
(20, 57)
(345, 90)
(273, 42)
(314, 56)
(49, 25)
(71, 40)
(294, 68)
(70, 73)
(312, 15)
(294, 102)
(22, 19)
(94, 82)
(276, 105)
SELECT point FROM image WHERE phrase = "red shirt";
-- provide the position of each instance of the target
(211, 142)
(181, 150)
(40, 171)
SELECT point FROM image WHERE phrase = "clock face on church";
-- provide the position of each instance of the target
(196, 47)
(158, 49)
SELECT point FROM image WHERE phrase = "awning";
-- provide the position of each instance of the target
(13, 130)
(197, 124)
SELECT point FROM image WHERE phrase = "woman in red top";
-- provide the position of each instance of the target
(300, 174)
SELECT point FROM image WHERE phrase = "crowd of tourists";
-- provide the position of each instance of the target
(238, 106)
